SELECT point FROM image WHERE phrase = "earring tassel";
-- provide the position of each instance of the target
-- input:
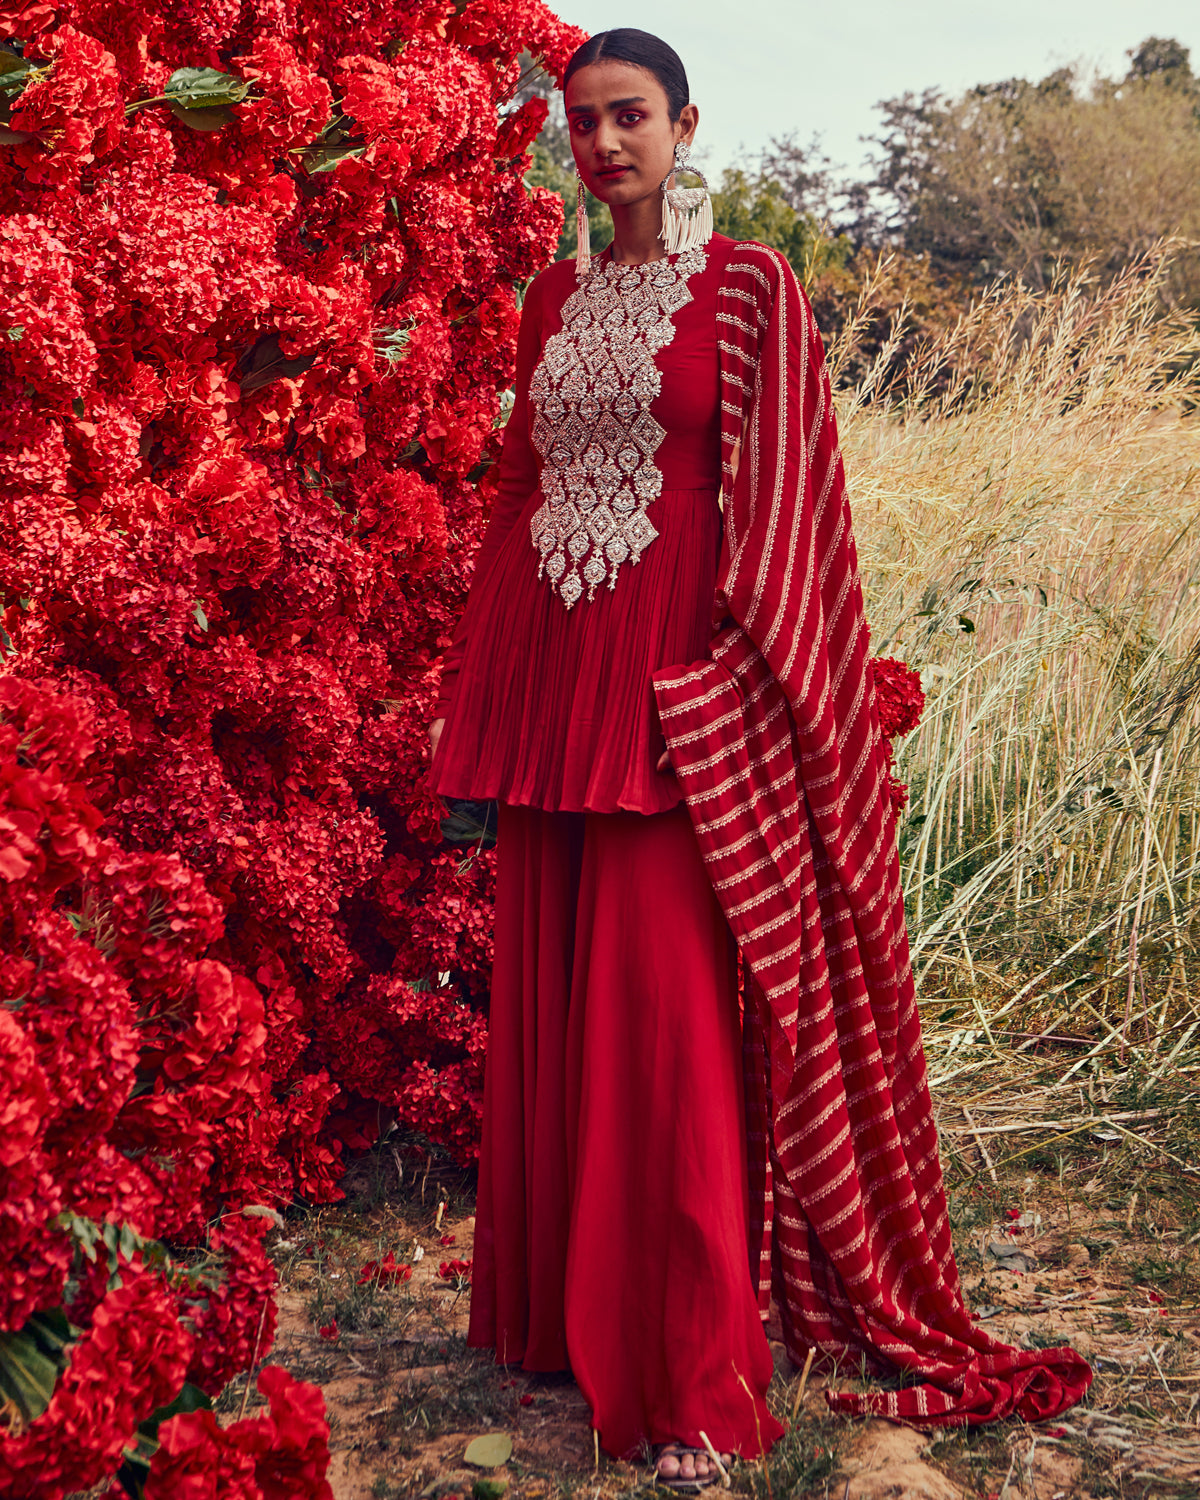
(583, 236)
(687, 219)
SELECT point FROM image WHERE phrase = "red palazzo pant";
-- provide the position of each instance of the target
(611, 1227)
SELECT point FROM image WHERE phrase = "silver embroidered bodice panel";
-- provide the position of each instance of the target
(591, 394)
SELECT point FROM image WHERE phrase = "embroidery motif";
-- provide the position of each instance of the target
(591, 394)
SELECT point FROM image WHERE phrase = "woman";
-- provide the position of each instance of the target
(674, 774)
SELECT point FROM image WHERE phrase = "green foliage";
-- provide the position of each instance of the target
(205, 88)
(31, 1360)
(14, 74)
(756, 208)
(1162, 57)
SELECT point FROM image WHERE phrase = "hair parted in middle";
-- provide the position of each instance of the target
(629, 45)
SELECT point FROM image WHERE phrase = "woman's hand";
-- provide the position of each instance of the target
(435, 734)
(664, 762)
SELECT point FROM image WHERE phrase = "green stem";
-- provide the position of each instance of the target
(173, 99)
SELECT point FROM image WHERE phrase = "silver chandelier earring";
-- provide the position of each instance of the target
(687, 218)
(583, 237)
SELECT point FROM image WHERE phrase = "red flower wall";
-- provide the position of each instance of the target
(250, 357)
(251, 351)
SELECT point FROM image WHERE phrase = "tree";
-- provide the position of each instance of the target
(757, 208)
(1161, 57)
(1010, 176)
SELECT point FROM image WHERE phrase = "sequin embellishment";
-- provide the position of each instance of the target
(591, 394)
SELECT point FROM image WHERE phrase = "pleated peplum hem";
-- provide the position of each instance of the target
(554, 708)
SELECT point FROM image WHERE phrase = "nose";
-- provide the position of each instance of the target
(605, 140)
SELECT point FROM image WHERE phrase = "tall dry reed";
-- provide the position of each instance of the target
(1026, 500)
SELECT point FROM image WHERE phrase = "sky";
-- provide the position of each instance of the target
(761, 68)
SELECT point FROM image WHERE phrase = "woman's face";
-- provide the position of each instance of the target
(622, 133)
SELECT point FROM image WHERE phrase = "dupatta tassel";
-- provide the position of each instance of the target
(687, 216)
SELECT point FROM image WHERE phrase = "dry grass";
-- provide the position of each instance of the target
(1026, 517)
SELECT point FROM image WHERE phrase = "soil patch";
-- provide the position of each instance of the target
(1092, 1240)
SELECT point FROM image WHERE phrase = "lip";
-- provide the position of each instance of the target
(611, 173)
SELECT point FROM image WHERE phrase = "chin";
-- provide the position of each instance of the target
(618, 192)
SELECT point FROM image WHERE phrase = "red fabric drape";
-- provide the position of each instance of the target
(611, 1224)
(775, 740)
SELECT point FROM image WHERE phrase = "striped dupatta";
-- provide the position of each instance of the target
(776, 744)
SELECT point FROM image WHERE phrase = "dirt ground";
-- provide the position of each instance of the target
(1088, 1236)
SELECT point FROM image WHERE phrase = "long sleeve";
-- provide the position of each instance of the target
(518, 479)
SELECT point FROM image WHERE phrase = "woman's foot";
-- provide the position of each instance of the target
(679, 1467)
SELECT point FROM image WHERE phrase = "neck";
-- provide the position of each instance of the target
(637, 231)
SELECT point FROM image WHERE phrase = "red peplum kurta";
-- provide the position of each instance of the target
(613, 1215)
(553, 707)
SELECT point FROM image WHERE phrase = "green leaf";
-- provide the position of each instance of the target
(489, 1489)
(201, 119)
(85, 1232)
(468, 822)
(489, 1452)
(966, 625)
(32, 1359)
(265, 361)
(201, 617)
(14, 75)
(134, 1472)
(190, 1398)
(319, 159)
(205, 88)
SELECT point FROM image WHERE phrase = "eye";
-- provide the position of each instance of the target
(629, 117)
(582, 123)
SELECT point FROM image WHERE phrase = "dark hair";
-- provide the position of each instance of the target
(629, 45)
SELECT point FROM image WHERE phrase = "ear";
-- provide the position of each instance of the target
(685, 126)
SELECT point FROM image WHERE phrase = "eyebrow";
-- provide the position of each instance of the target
(587, 109)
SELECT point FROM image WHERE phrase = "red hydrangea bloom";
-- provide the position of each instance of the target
(130, 1362)
(234, 1320)
(280, 1456)
(899, 701)
(898, 696)
(73, 114)
(295, 103)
